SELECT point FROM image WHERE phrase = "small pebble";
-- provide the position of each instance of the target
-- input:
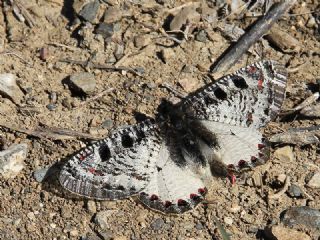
(141, 41)
(282, 233)
(167, 54)
(228, 220)
(157, 224)
(40, 174)
(284, 154)
(51, 106)
(202, 36)
(12, 160)
(106, 29)
(82, 82)
(91, 206)
(90, 10)
(112, 14)
(9, 87)
(294, 191)
(314, 181)
(107, 124)
(102, 218)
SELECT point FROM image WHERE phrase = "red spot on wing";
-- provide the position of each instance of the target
(82, 157)
(242, 163)
(202, 191)
(193, 196)
(261, 146)
(182, 202)
(154, 197)
(261, 155)
(167, 204)
(92, 170)
(253, 158)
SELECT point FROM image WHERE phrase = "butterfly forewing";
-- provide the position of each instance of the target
(116, 167)
(250, 97)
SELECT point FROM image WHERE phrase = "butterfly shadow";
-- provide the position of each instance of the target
(50, 182)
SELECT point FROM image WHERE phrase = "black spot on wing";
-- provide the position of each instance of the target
(104, 153)
(127, 141)
(239, 82)
(220, 94)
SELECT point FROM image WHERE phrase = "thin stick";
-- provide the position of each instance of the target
(99, 66)
(260, 27)
(19, 10)
(95, 97)
(173, 90)
(48, 132)
(16, 55)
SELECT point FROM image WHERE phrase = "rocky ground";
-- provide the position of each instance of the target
(41, 95)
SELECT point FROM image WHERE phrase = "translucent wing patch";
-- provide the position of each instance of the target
(115, 167)
(250, 97)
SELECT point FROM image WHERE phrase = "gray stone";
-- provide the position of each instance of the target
(43, 173)
(91, 206)
(12, 160)
(314, 181)
(107, 124)
(199, 226)
(157, 224)
(102, 218)
(302, 216)
(201, 36)
(51, 106)
(40, 174)
(82, 82)
(90, 10)
(9, 87)
(105, 234)
(294, 191)
(106, 29)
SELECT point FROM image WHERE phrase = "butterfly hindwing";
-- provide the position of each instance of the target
(115, 167)
(174, 187)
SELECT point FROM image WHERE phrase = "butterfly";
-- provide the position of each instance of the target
(168, 161)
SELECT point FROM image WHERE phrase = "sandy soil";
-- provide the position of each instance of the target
(43, 210)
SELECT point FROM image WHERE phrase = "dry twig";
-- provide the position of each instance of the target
(51, 133)
(95, 97)
(260, 27)
(22, 13)
(102, 67)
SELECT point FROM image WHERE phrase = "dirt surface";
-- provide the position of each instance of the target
(43, 210)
